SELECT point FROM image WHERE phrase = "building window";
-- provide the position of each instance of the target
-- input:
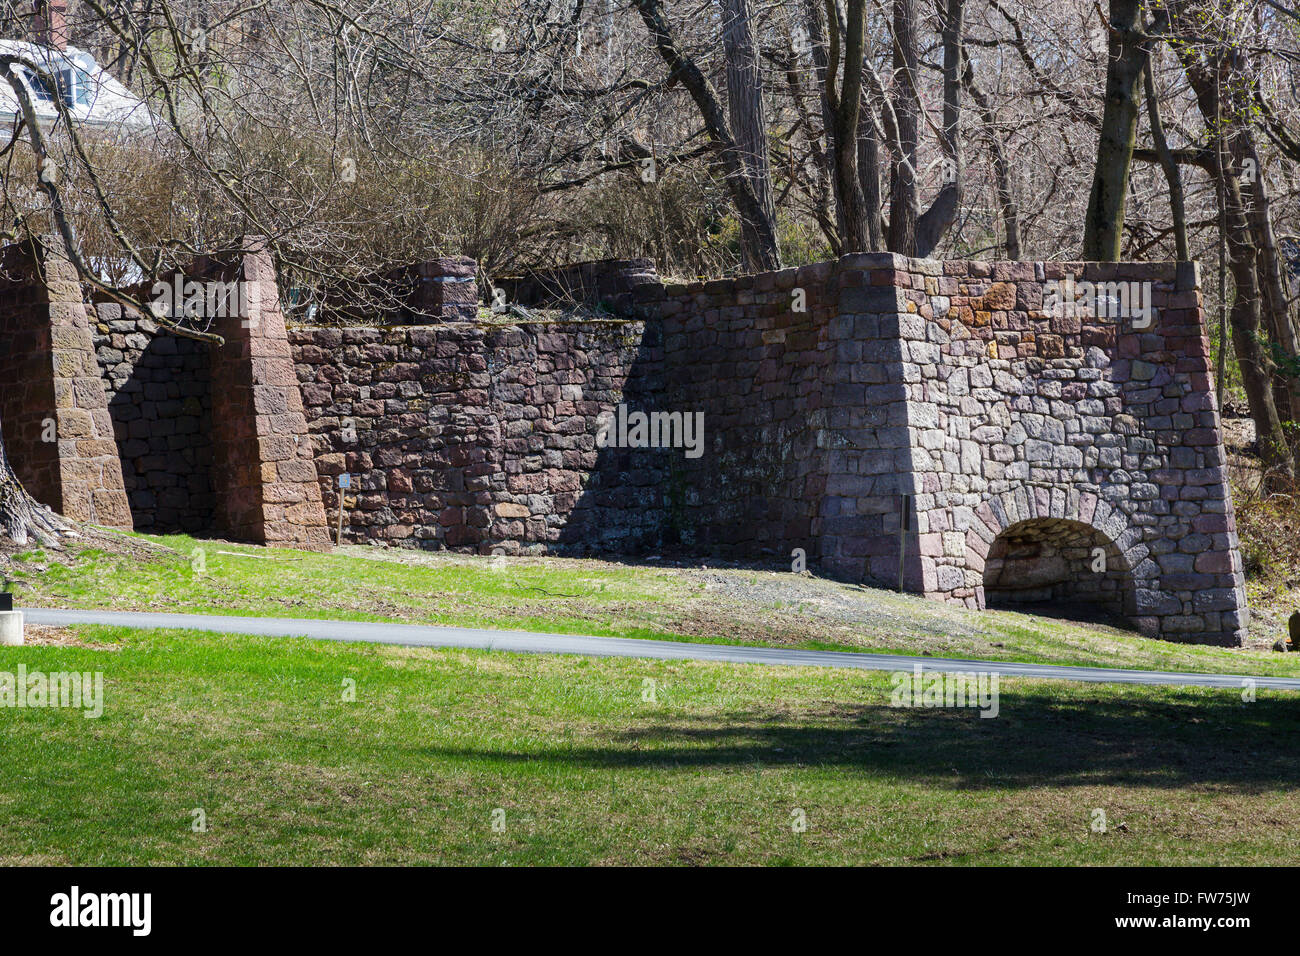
(74, 87)
(39, 88)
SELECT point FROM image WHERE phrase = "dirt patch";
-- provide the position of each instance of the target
(80, 539)
(736, 602)
(38, 635)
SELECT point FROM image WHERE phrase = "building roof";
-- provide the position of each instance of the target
(90, 93)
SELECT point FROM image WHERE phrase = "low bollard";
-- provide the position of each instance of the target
(11, 621)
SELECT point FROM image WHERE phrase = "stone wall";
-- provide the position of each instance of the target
(894, 419)
(57, 428)
(212, 437)
(943, 425)
(1023, 417)
(262, 460)
(947, 389)
(759, 365)
(482, 437)
(27, 395)
(160, 398)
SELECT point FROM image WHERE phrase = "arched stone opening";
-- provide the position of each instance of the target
(1060, 567)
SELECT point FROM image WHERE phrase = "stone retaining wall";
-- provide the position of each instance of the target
(954, 392)
(160, 398)
(947, 426)
(481, 437)
(1022, 417)
(890, 418)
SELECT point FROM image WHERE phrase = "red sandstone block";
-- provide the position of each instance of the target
(270, 400)
(111, 508)
(274, 371)
(892, 277)
(97, 448)
(1214, 562)
(259, 346)
(1213, 524)
(275, 448)
(298, 470)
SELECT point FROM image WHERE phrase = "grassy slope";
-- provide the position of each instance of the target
(257, 734)
(594, 598)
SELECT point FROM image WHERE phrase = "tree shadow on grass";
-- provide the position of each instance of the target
(1038, 739)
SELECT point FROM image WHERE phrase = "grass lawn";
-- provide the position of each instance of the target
(586, 596)
(257, 734)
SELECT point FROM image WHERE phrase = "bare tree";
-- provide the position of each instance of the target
(1128, 39)
(1210, 67)
(749, 122)
(755, 216)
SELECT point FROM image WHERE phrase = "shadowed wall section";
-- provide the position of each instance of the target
(159, 390)
(483, 437)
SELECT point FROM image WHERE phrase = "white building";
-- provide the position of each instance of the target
(90, 94)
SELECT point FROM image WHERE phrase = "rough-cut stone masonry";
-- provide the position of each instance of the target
(1003, 424)
(213, 438)
(160, 397)
(1041, 455)
(890, 417)
(1020, 419)
(262, 458)
(482, 437)
(57, 429)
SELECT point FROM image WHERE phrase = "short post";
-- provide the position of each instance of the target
(345, 482)
(11, 621)
(904, 526)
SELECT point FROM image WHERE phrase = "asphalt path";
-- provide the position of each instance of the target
(529, 642)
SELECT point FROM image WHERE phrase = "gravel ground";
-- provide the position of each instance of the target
(781, 608)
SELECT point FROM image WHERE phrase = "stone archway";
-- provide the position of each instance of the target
(1034, 547)
(1060, 565)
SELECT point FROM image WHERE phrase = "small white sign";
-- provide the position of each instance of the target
(345, 481)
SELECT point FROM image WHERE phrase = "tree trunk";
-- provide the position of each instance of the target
(1173, 176)
(1256, 365)
(936, 220)
(749, 129)
(684, 69)
(1209, 78)
(902, 181)
(846, 113)
(869, 177)
(821, 69)
(1001, 168)
(1276, 307)
(22, 518)
(1126, 60)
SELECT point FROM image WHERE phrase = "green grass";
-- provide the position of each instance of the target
(258, 734)
(589, 597)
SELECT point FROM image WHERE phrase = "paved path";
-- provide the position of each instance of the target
(420, 635)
